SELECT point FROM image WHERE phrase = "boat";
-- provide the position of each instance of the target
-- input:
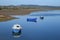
(32, 19)
(41, 17)
(16, 28)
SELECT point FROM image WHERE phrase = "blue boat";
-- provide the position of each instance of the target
(32, 19)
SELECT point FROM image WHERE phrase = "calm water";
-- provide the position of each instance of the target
(46, 29)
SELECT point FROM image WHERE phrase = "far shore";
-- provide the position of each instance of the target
(25, 9)
(7, 11)
(18, 11)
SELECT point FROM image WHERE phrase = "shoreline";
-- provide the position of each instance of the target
(18, 12)
(21, 12)
(6, 15)
(7, 11)
(6, 18)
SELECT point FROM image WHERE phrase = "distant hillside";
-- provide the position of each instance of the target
(30, 6)
(40, 7)
(36, 6)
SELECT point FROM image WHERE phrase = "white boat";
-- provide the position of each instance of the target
(16, 28)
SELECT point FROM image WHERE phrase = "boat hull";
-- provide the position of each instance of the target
(32, 19)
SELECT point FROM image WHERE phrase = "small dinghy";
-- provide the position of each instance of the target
(41, 17)
(32, 19)
(16, 28)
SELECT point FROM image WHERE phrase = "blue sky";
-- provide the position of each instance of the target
(29, 2)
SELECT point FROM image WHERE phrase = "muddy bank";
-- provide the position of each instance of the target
(17, 12)
(6, 18)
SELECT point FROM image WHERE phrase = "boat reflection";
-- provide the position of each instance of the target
(16, 35)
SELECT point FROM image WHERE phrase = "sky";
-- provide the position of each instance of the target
(30, 2)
